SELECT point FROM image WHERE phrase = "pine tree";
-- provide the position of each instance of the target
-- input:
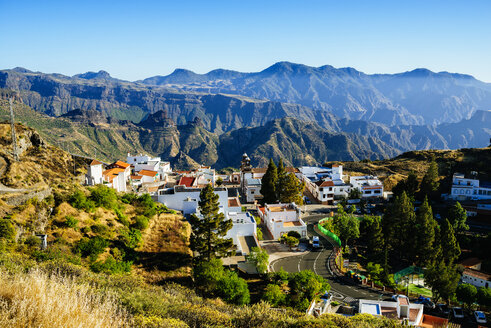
(371, 231)
(449, 244)
(457, 216)
(410, 185)
(430, 184)
(269, 183)
(424, 233)
(281, 181)
(292, 190)
(209, 229)
(443, 279)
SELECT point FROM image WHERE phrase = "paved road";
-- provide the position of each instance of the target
(317, 261)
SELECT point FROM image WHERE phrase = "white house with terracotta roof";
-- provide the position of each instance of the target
(94, 173)
(115, 178)
(476, 278)
(325, 183)
(146, 162)
(368, 185)
(282, 218)
(149, 176)
(122, 165)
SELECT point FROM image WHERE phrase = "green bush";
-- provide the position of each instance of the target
(99, 229)
(233, 289)
(7, 229)
(129, 198)
(71, 222)
(103, 196)
(111, 266)
(91, 247)
(294, 234)
(80, 201)
(131, 238)
(260, 258)
(274, 295)
(304, 285)
(141, 222)
(32, 241)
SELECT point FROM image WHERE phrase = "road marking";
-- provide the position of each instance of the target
(315, 261)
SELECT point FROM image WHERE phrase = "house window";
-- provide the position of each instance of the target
(252, 192)
(376, 191)
(368, 192)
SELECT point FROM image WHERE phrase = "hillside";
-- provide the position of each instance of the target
(392, 170)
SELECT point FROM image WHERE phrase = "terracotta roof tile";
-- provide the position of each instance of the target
(121, 164)
(477, 274)
(470, 262)
(148, 173)
(95, 162)
(186, 181)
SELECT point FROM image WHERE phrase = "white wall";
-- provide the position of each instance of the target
(478, 282)
(94, 175)
(176, 200)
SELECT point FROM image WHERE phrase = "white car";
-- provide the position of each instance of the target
(458, 313)
(480, 317)
(315, 242)
(396, 296)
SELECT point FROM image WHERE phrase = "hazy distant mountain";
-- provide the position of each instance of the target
(416, 97)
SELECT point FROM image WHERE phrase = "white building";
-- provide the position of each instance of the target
(402, 309)
(243, 232)
(476, 278)
(325, 183)
(282, 218)
(94, 173)
(184, 199)
(149, 176)
(368, 185)
(115, 178)
(252, 189)
(146, 162)
(468, 188)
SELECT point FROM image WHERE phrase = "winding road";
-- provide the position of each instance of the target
(317, 261)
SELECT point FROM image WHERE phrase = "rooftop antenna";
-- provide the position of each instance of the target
(12, 127)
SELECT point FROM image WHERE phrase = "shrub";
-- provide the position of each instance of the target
(7, 229)
(80, 201)
(103, 196)
(274, 295)
(111, 266)
(32, 241)
(141, 222)
(71, 222)
(129, 198)
(99, 229)
(260, 258)
(91, 247)
(233, 289)
(131, 238)
(304, 285)
(86, 229)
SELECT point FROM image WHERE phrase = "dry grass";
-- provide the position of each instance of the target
(37, 300)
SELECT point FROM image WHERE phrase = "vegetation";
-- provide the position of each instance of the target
(466, 293)
(209, 229)
(279, 186)
(260, 258)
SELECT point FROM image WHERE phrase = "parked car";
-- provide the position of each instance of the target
(443, 309)
(458, 313)
(428, 304)
(480, 317)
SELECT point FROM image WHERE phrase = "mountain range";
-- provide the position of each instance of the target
(304, 114)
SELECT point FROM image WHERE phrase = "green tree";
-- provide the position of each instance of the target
(292, 190)
(398, 223)
(457, 216)
(443, 279)
(290, 241)
(260, 258)
(233, 289)
(346, 226)
(449, 244)
(206, 275)
(274, 295)
(304, 285)
(375, 271)
(268, 184)
(208, 229)
(466, 293)
(7, 229)
(372, 236)
(424, 236)
(103, 196)
(219, 182)
(429, 184)
(484, 296)
(281, 181)
(409, 185)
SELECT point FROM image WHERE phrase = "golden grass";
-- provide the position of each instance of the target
(38, 300)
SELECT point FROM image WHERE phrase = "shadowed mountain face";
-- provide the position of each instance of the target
(416, 97)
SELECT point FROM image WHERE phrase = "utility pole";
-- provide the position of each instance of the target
(12, 127)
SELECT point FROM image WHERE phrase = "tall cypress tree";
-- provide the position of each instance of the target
(281, 181)
(371, 232)
(457, 216)
(209, 229)
(430, 184)
(269, 183)
(425, 233)
(450, 246)
(292, 190)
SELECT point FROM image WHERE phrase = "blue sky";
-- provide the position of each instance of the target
(137, 39)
